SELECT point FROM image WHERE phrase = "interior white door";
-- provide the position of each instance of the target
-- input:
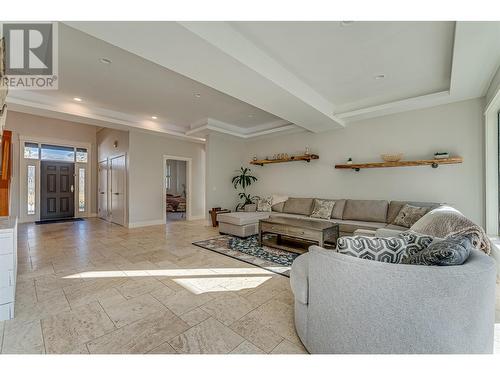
(118, 175)
(103, 190)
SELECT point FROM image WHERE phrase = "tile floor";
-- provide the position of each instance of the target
(94, 287)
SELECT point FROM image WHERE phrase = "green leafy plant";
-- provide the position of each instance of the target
(244, 179)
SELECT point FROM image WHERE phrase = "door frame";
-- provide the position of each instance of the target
(125, 190)
(23, 188)
(189, 167)
(492, 152)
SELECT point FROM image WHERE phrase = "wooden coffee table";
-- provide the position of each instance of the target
(304, 230)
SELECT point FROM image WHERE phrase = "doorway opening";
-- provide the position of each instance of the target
(176, 172)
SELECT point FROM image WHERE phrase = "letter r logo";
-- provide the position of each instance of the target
(28, 48)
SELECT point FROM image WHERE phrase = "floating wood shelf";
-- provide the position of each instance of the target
(306, 158)
(434, 163)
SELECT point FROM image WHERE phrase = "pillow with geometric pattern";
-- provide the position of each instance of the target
(382, 249)
(415, 242)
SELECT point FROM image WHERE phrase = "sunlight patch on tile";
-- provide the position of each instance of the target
(177, 272)
(221, 284)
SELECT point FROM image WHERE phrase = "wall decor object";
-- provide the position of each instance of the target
(391, 157)
(434, 163)
(285, 159)
(441, 155)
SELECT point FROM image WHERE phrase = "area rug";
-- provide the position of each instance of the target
(248, 250)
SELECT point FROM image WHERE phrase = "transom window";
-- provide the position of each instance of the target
(31, 150)
(81, 155)
(56, 153)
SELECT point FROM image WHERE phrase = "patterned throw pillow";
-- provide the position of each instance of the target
(409, 215)
(322, 208)
(415, 242)
(382, 249)
(449, 252)
(264, 204)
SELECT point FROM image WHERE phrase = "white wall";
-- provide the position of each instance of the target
(105, 143)
(27, 125)
(225, 156)
(146, 168)
(457, 128)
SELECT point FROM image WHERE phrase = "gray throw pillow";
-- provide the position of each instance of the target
(264, 204)
(409, 215)
(322, 208)
(452, 251)
(382, 249)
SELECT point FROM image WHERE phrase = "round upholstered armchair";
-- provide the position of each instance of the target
(347, 305)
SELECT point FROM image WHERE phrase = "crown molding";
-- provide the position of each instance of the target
(86, 114)
(398, 106)
(204, 127)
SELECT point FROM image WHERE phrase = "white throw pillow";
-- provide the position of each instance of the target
(264, 204)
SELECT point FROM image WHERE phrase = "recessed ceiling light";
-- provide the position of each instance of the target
(105, 60)
(346, 23)
(250, 115)
(154, 117)
(77, 99)
(380, 76)
(197, 95)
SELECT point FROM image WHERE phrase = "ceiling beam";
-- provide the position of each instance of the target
(218, 56)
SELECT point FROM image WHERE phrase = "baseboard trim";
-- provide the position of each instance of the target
(199, 217)
(139, 224)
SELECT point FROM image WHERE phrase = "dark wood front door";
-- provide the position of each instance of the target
(57, 190)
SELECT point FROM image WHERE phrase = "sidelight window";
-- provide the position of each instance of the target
(81, 189)
(31, 189)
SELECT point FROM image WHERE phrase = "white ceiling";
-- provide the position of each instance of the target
(257, 78)
(341, 60)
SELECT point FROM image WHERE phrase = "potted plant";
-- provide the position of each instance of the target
(244, 179)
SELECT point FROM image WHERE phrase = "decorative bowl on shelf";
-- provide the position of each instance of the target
(391, 157)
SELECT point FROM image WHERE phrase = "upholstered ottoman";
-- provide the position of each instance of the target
(241, 224)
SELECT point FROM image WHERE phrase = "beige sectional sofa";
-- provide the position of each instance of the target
(350, 214)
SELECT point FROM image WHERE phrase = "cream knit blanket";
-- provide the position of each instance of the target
(445, 221)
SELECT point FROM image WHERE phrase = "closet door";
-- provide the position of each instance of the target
(118, 181)
(103, 190)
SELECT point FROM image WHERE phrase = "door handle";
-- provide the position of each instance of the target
(101, 192)
(116, 193)
(72, 188)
